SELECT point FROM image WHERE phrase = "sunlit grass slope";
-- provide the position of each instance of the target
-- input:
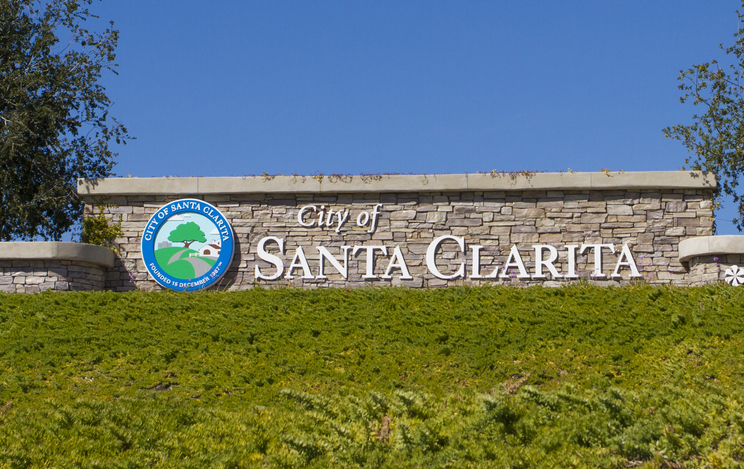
(460, 377)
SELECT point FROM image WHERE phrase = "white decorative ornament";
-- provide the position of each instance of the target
(734, 276)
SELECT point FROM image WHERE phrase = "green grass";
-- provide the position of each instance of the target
(180, 268)
(163, 255)
(460, 377)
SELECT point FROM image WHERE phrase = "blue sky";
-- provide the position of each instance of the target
(243, 87)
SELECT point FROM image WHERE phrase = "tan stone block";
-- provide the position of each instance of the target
(592, 204)
(676, 231)
(545, 222)
(676, 206)
(550, 238)
(645, 238)
(582, 227)
(647, 204)
(465, 222)
(528, 213)
(463, 209)
(500, 230)
(688, 222)
(593, 217)
(550, 204)
(616, 226)
(398, 225)
(436, 217)
(525, 238)
(706, 221)
(477, 230)
(403, 215)
(614, 209)
(654, 214)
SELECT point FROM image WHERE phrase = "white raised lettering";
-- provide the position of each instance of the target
(301, 214)
(375, 214)
(476, 262)
(299, 261)
(540, 262)
(597, 256)
(272, 259)
(431, 253)
(397, 261)
(630, 262)
(329, 218)
(514, 260)
(324, 254)
(362, 219)
(321, 215)
(571, 257)
(342, 217)
(370, 274)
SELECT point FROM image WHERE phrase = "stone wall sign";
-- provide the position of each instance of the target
(609, 228)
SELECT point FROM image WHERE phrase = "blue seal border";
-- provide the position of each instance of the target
(187, 206)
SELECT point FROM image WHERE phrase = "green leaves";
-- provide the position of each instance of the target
(100, 231)
(716, 137)
(574, 377)
(187, 233)
(54, 122)
(670, 425)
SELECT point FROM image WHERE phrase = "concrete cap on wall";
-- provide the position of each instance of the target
(708, 245)
(494, 181)
(56, 250)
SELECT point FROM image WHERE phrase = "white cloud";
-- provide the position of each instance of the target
(175, 218)
(214, 232)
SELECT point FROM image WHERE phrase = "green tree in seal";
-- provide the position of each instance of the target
(187, 233)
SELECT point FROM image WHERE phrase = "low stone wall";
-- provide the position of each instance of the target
(711, 269)
(709, 257)
(38, 266)
(651, 213)
(37, 276)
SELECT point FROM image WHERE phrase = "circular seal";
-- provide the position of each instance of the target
(187, 245)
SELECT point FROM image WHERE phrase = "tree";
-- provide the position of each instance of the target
(716, 138)
(54, 115)
(187, 233)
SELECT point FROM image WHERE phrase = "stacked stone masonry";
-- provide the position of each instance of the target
(711, 268)
(33, 276)
(652, 222)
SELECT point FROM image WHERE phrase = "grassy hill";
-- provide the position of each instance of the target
(461, 377)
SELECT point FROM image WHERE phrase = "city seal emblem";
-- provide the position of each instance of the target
(187, 245)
